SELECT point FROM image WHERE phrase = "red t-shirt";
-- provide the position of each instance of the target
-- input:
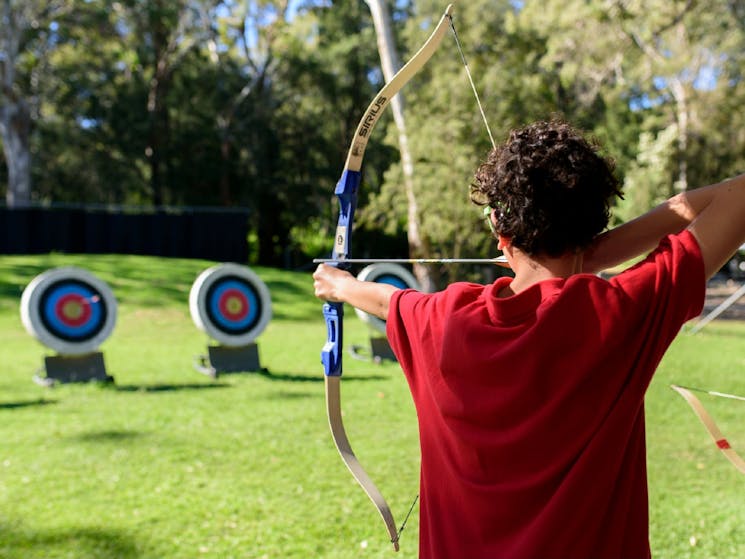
(531, 407)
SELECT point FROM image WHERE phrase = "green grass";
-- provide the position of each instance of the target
(167, 463)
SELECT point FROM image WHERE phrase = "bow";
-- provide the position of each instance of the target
(712, 428)
(346, 192)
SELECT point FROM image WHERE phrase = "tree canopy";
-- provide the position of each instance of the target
(253, 103)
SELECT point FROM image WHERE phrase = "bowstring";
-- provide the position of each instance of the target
(470, 79)
(494, 145)
(714, 393)
(408, 514)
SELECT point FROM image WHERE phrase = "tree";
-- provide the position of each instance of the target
(24, 38)
(653, 65)
(390, 63)
(163, 32)
(242, 38)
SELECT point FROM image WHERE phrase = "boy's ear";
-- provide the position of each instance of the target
(503, 242)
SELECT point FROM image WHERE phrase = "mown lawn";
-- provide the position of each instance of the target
(168, 463)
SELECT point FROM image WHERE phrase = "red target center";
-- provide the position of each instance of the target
(234, 305)
(73, 310)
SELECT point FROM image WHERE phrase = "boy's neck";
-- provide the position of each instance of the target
(530, 270)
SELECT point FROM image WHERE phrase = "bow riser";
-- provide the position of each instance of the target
(333, 314)
(346, 192)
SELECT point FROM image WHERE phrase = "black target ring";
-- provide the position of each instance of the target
(233, 304)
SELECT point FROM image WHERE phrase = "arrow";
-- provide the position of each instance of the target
(499, 261)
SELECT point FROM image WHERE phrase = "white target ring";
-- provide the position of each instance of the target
(69, 310)
(391, 274)
(231, 304)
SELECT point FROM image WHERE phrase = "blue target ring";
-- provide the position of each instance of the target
(73, 310)
(390, 279)
(233, 305)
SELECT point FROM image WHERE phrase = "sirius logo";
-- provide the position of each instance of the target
(372, 115)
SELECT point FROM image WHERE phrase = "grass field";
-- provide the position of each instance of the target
(167, 463)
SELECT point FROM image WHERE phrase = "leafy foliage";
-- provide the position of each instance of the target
(254, 104)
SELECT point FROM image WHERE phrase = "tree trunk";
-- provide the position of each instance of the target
(15, 116)
(389, 59)
(681, 116)
(226, 197)
(15, 126)
(157, 124)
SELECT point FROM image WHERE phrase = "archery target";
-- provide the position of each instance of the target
(69, 310)
(391, 274)
(231, 304)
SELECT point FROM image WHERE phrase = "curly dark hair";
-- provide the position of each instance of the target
(551, 187)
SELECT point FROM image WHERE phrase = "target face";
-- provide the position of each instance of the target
(391, 274)
(231, 304)
(69, 310)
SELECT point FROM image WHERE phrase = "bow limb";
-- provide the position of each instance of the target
(711, 427)
(374, 111)
(333, 409)
(346, 192)
(346, 188)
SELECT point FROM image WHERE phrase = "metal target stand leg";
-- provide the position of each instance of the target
(731, 300)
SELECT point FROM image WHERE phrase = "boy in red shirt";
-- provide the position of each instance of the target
(530, 391)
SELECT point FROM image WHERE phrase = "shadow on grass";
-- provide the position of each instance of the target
(315, 378)
(109, 435)
(284, 395)
(168, 387)
(88, 543)
(27, 404)
(14, 280)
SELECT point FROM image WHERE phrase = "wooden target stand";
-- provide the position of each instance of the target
(392, 274)
(71, 311)
(233, 306)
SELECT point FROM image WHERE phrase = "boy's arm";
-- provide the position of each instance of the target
(720, 227)
(333, 284)
(715, 214)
